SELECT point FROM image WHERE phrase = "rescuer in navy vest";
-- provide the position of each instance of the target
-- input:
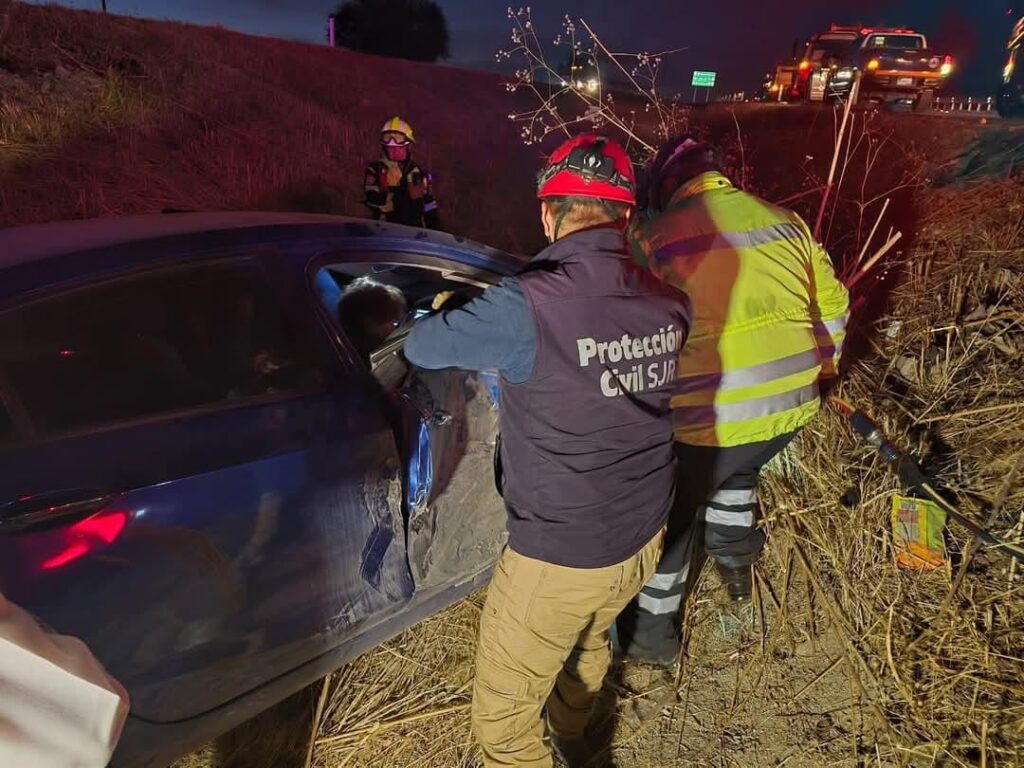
(586, 343)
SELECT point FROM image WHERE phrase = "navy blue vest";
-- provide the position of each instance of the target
(589, 473)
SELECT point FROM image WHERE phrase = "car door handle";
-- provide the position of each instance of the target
(440, 418)
(433, 417)
(43, 510)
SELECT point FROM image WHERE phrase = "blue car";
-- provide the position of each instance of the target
(207, 481)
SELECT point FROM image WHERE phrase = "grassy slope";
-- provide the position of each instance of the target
(102, 115)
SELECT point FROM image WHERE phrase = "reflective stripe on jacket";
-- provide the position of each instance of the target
(769, 314)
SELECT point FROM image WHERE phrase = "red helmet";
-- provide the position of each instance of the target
(589, 166)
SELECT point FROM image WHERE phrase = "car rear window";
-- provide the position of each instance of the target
(828, 46)
(141, 347)
(820, 53)
(896, 41)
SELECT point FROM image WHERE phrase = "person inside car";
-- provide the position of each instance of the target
(369, 311)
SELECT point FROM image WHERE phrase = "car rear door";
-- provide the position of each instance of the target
(195, 484)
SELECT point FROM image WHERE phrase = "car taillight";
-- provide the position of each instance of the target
(947, 66)
(873, 65)
(805, 65)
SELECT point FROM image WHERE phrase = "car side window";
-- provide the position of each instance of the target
(369, 302)
(376, 305)
(145, 346)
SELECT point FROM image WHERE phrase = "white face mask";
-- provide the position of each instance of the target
(397, 153)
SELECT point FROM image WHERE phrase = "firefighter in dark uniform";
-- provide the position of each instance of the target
(396, 188)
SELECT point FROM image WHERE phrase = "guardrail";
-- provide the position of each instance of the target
(962, 104)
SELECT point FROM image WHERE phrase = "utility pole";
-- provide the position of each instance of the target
(104, 4)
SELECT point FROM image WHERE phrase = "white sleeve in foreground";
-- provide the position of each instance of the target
(58, 706)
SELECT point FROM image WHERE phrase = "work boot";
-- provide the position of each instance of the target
(572, 753)
(739, 582)
(648, 638)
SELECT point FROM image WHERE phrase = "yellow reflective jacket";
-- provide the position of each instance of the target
(769, 314)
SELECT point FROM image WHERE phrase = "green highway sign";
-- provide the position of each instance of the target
(704, 79)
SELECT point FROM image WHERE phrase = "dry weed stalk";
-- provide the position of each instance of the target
(861, 144)
(564, 106)
(840, 141)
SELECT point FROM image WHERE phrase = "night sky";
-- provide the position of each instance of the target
(741, 39)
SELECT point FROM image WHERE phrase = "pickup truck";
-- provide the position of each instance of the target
(806, 79)
(895, 66)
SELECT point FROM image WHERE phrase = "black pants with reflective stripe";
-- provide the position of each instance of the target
(715, 512)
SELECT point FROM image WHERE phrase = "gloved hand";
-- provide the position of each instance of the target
(440, 300)
(417, 187)
(394, 176)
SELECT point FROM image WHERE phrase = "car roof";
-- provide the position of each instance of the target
(39, 241)
(42, 254)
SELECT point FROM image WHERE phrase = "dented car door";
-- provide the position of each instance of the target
(456, 517)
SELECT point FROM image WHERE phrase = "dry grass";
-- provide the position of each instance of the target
(407, 702)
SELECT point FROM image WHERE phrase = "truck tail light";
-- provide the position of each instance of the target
(947, 66)
(803, 71)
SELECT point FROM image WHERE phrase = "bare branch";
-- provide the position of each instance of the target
(563, 104)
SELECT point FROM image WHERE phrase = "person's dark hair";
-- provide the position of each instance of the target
(369, 311)
(672, 168)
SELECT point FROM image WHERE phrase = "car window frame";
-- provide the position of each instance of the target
(348, 255)
(253, 257)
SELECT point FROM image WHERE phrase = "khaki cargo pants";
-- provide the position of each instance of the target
(544, 640)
